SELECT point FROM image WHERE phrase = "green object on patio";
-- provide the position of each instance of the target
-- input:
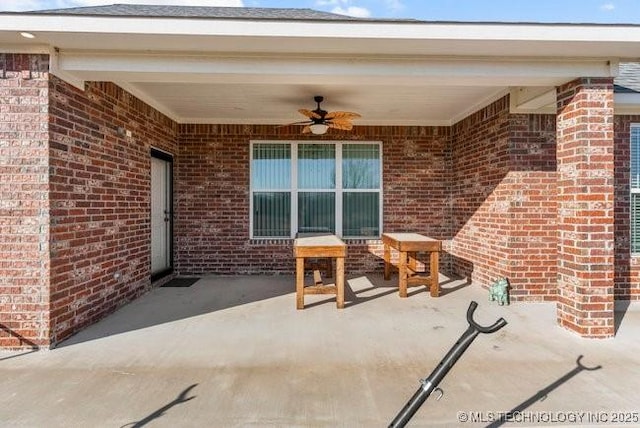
(499, 291)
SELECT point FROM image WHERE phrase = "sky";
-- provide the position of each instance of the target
(566, 11)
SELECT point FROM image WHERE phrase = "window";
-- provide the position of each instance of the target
(330, 187)
(635, 188)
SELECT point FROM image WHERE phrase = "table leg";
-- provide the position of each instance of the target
(387, 262)
(434, 268)
(413, 263)
(402, 274)
(340, 282)
(299, 282)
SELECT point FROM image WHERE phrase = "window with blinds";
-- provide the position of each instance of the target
(635, 188)
(271, 183)
(331, 187)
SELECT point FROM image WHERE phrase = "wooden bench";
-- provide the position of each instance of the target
(319, 246)
(408, 245)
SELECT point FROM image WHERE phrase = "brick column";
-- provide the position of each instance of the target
(585, 207)
(24, 202)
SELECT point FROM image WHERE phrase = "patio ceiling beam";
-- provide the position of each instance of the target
(533, 99)
(140, 67)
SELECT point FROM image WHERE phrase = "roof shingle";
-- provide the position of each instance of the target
(165, 11)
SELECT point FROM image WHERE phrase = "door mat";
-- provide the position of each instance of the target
(180, 282)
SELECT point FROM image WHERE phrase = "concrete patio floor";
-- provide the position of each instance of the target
(234, 352)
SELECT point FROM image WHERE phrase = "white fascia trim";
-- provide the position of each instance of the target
(321, 29)
(54, 68)
(627, 104)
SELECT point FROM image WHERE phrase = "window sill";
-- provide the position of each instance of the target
(289, 241)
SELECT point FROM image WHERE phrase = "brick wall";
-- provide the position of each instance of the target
(212, 191)
(481, 198)
(485, 186)
(533, 243)
(503, 205)
(24, 202)
(585, 156)
(627, 268)
(100, 200)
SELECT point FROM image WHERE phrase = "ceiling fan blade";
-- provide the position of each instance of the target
(306, 129)
(339, 120)
(309, 113)
(342, 125)
(342, 115)
(304, 122)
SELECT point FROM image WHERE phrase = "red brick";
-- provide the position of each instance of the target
(586, 192)
(23, 254)
(97, 158)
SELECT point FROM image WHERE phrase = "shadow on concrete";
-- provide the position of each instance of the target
(181, 398)
(543, 393)
(164, 305)
(364, 288)
(216, 293)
(621, 307)
(444, 289)
(360, 289)
(22, 341)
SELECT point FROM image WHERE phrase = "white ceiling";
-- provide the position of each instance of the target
(278, 103)
(200, 71)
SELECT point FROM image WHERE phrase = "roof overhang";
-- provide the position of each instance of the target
(393, 73)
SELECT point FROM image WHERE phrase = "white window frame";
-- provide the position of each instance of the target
(294, 186)
(634, 150)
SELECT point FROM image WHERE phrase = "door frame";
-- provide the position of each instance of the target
(162, 155)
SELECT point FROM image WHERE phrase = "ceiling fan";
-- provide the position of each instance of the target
(321, 120)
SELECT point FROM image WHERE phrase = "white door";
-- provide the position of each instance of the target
(161, 216)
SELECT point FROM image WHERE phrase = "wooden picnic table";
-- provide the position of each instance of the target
(408, 245)
(319, 246)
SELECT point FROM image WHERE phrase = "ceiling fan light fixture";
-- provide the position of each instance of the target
(319, 121)
(318, 128)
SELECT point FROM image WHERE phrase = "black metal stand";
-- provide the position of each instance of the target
(431, 383)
